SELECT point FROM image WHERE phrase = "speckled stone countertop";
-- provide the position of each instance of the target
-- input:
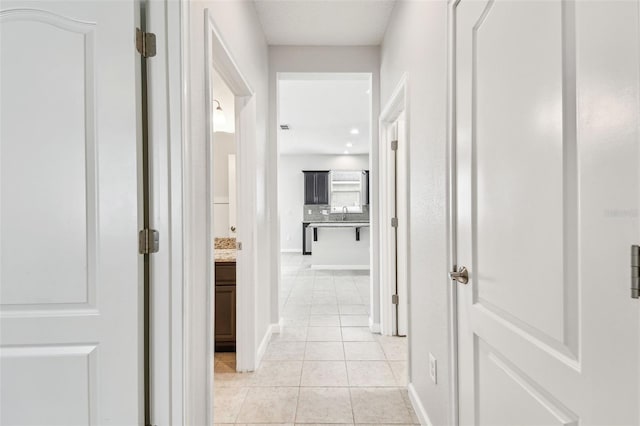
(224, 243)
(225, 249)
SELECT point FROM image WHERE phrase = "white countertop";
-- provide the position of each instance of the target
(339, 224)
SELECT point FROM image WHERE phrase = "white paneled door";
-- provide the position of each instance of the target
(548, 191)
(70, 273)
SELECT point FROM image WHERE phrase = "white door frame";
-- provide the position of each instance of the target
(182, 325)
(452, 213)
(167, 131)
(395, 108)
(218, 57)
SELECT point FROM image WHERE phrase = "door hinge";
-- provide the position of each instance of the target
(148, 241)
(394, 222)
(394, 145)
(239, 245)
(635, 272)
(395, 299)
(145, 43)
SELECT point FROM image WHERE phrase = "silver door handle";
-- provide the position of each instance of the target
(233, 229)
(462, 275)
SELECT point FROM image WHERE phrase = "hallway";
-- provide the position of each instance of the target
(325, 366)
(464, 172)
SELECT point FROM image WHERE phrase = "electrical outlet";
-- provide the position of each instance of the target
(433, 368)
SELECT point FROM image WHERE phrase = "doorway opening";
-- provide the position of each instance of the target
(224, 197)
(231, 214)
(324, 144)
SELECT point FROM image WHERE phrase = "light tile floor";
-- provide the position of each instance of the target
(326, 367)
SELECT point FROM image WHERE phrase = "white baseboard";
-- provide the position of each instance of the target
(418, 407)
(341, 267)
(374, 327)
(273, 328)
(299, 251)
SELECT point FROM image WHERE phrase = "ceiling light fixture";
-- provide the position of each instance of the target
(355, 131)
(346, 152)
(349, 144)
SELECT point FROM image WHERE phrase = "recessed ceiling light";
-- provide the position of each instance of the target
(349, 144)
(355, 131)
(368, 92)
(346, 152)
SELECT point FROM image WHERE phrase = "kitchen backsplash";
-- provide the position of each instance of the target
(317, 216)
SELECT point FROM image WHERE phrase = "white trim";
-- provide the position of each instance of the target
(418, 407)
(291, 251)
(262, 349)
(167, 131)
(192, 410)
(397, 101)
(220, 200)
(452, 329)
(397, 105)
(340, 267)
(374, 327)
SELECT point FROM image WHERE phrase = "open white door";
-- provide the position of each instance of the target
(70, 272)
(547, 166)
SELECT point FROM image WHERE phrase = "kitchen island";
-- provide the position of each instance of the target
(340, 245)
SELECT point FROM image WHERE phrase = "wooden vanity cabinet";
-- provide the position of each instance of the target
(225, 309)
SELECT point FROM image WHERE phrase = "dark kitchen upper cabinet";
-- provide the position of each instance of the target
(322, 187)
(366, 187)
(316, 187)
(309, 188)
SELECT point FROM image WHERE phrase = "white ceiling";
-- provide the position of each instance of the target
(324, 22)
(322, 110)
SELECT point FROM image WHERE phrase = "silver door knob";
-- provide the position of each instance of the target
(462, 275)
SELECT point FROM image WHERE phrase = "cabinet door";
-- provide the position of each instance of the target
(309, 188)
(366, 187)
(225, 322)
(322, 188)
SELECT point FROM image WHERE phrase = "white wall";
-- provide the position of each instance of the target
(415, 42)
(291, 189)
(224, 146)
(322, 59)
(241, 31)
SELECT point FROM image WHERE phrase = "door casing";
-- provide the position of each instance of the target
(397, 107)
